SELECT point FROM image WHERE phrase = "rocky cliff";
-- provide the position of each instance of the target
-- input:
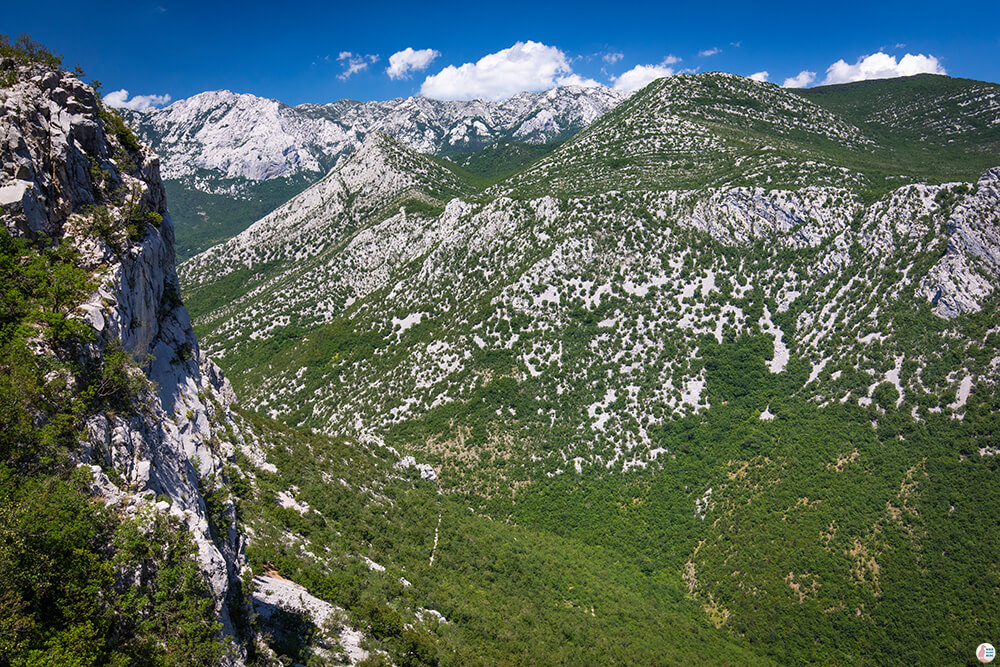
(72, 172)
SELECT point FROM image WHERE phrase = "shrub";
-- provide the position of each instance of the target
(26, 51)
(118, 384)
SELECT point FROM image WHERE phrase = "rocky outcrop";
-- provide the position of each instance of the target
(276, 597)
(72, 171)
(49, 131)
(966, 273)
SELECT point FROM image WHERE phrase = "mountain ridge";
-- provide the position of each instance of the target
(189, 133)
(233, 158)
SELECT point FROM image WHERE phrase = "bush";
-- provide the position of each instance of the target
(26, 51)
(119, 384)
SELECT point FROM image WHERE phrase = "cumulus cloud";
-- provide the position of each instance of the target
(710, 52)
(577, 80)
(800, 80)
(882, 66)
(760, 76)
(671, 60)
(354, 63)
(524, 66)
(642, 75)
(119, 100)
(404, 63)
(612, 57)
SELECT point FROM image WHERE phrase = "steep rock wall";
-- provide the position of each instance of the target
(72, 172)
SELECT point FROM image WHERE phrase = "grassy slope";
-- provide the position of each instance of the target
(497, 162)
(715, 130)
(510, 594)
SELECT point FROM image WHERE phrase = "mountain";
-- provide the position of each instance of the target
(221, 146)
(744, 337)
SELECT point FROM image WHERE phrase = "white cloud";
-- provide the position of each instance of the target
(524, 66)
(710, 52)
(404, 63)
(882, 66)
(577, 80)
(760, 76)
(670, 60)
(800, 80)
(613, 57)
(641, 75)
(119, 100)
(354, 63)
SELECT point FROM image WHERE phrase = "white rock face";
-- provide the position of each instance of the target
(837, 261)
(258, 139)
(380, 170)
(51, 140)
(966, 274)
(274, 593)
(48, 127)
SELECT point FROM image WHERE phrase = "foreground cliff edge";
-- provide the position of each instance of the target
(132, 378)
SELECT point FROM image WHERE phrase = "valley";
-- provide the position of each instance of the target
(719, 306)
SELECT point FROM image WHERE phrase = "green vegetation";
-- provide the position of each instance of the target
(25, 50)
(81, 585)
(508, 594)
(202, 220)
(692, 132)
(810, 538)
(67, 593)
(119, 129)
(934, 127)
(497, 162)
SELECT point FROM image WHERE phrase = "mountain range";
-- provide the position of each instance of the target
(220, 146)
(753, 297)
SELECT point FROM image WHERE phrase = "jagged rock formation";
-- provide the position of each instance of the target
(71, 172)
(966, 274)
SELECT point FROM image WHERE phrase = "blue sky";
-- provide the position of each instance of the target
(319, 52)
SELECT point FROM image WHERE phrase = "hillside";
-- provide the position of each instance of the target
(722, 320)
(956, 117)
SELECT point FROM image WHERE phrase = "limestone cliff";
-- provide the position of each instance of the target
(72, 171)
